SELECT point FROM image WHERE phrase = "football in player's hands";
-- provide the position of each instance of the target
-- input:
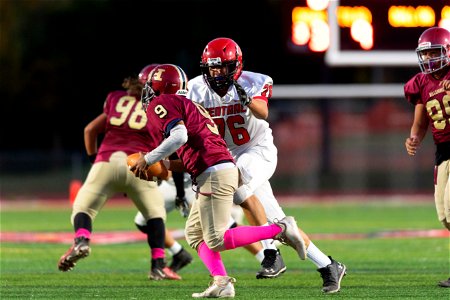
(154, 172)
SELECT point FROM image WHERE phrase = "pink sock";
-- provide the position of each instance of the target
(158, 253)
(245, 235)
(212, 260)
(83, 232)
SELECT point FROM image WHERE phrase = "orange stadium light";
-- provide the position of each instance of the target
(445, 18)
(362, 32)
(320, 36)
(346, 15)
(409, 16)
(300, 33)
(310, 27)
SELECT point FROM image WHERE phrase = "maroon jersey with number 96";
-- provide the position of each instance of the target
(125, 127)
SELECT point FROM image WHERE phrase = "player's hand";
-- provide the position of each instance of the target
(411, 145)
(243, 97)
(140, 168)
(182, 205)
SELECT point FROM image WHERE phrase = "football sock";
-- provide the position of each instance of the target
(268, 244)
(175, 249)
(157, 253)
(83, 232)
(260, 255)
(212, 260)
(82, 220)
(245, 235)
(156, 233)
(317, 256)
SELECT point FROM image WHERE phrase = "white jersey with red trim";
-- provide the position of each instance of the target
(238, 126)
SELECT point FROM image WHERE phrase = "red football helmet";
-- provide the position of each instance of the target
(143, 75)
(433, 49)
(164, 79)
(217, 53)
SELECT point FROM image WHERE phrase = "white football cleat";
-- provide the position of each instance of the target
(291, 236)
(220, 287)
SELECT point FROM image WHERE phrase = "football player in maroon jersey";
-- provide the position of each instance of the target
(123, 123)
(429, 92)
(182, 126)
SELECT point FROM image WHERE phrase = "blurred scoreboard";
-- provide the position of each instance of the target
(365, 32)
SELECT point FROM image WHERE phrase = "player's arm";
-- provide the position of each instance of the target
(418, 129)
(91, 133)
(259, 107)
(257, 104)
(177, 138)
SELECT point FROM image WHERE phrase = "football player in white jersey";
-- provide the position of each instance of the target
(237, 100)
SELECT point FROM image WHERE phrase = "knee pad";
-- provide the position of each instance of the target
(216, 244)
(193, 238)
(139, 219)
(140, 222)
(241, 194)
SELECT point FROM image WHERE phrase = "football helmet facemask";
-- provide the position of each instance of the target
(433, 50)
(164, 79)
(221, 52)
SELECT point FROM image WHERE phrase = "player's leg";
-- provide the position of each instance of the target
(442, 200)
(211, 212)
(169, 189)
(206, 224)
(149, 201)
(88, 202)
(331, 271)
(260, 162)
(180, 257)
(272, 264)
(214, 206)
(236, 219)
(255, 169)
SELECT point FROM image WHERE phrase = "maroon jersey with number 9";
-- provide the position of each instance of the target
(205, 147)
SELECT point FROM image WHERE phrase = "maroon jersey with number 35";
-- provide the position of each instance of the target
(205, 147)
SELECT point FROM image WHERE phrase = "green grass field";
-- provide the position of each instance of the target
(378, 268)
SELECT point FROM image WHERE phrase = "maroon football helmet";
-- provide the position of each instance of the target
(433, 50)
(143, 75)
(164, 79)
(217, 53)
